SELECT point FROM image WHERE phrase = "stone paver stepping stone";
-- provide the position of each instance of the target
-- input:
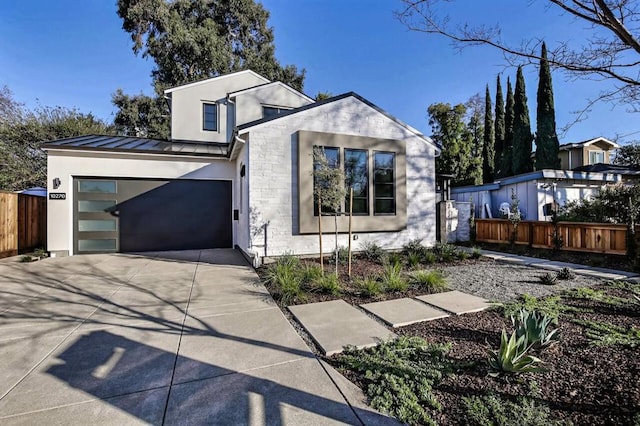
(405, 311)
(335, 324)
(456, 302)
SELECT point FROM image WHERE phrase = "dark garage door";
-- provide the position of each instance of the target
(151, 215)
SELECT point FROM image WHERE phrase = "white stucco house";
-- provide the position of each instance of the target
(237, 172)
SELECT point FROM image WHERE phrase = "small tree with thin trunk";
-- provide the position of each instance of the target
(329, 187)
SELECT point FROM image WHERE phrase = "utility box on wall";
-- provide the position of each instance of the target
(453, 221)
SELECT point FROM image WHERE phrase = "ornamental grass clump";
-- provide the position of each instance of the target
(432, 281)
(286, 279)
(369, 286)
(392, 278)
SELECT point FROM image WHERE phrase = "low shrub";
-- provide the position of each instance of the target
(476, 253)
(496, 411)
(432, 281)
(565, 274)
(369, 286)
(429, 258)
(392, 278)
(606, 334)
(25, 259)
(394, 258)
(371, 251)
(446, 252)
(343, 256)
(463, 255)
(551, 306)
(414, 246)
(310, 273)
(285, 277)
(512, 357)
(329, 283)
(548, 279)
(534, 326)
(399, 376)
(413, 259)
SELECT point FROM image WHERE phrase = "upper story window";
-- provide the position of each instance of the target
(268, 111)
(209, 116)
(596, 157)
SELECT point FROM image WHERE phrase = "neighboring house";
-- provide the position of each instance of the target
(592, 151)
(237, 172)
(628, 173)
(537, 192)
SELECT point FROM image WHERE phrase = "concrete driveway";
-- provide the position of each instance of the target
(160, 338)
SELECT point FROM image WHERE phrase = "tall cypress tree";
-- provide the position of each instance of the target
(507, 153)
(488, 165)
(499, 129)
(547, 145)
(522, 137)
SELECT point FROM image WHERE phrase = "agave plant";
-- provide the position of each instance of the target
(534, 327)
(512, 356)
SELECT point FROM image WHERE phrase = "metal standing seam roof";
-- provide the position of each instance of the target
(139, 145)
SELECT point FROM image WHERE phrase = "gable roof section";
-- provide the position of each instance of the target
(256, 123)
(566, 146)
(220, 77)
(265, 85)
(125, 144)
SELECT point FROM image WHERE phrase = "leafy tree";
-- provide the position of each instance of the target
(547, 145)
(321, 96)
(609, 50)
(507, 154)
(449, 130)
(499, 130)
(475, 128)
(22, 163)
(488, 154)
(193, 40)
(329, 187)
(628, 155)
(522, 137)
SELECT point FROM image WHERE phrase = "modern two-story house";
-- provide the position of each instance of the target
(237, 172)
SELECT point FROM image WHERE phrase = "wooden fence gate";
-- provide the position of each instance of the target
(23, 223)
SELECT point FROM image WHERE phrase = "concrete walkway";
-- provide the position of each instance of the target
(534, 262)
(159, 338)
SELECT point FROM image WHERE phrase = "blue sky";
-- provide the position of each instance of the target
(74, 53)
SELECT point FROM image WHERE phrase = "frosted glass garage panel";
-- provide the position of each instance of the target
(92, 206)
(97, 245)
(97, 186)
(96, 225)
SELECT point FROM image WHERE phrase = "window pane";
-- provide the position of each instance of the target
(96, 205)
(360, 206)
(97, 225)
(210, 117)
(384, 190)
(101, 186)
(385, 206)
(333, 159)
(97, 245)
(357, 177)
(384, 183)
(268, 112)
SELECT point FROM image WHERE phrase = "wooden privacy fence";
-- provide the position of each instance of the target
(23, 223)
(576, 236)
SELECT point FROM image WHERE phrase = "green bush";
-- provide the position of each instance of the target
(285, 277)
(392, 278)
(329, 283)
(493, 410)
(371, 251)
(26, 259)
(476, 253)
(606, 334)
(343, 256)
(551, 306)
(446, 252)
(394, 258)
(534, 326)
(369, 286)
(566, 274)
(414, 246)
(463, 255)
(548, 279)
(399, 376)
(413, 259)
(512, 357)
(430, 258)
(310, 273)
(432, 281)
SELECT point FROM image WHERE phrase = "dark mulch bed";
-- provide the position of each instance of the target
(584, 384)
(611, 261)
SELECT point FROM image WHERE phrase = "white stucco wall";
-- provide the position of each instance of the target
(273, 181)
(66, 165)
(186, 106)
(249, 104)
